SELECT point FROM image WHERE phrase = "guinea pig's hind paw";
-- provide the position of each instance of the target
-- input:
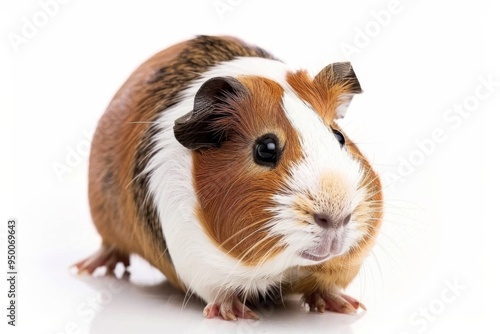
(331, 301)
(106, 256)
(229, 310)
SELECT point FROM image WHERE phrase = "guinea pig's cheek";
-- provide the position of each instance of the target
(348, 242)
(353, 235)
(342, 245)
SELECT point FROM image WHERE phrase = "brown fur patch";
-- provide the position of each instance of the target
(325, 97)
(319, 93)
(234, 192)
(123, 213)
(340, 271)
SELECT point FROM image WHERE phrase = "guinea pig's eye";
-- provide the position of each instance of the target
(339, 136)
(266, 150)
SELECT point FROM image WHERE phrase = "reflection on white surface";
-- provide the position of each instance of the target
(126, 306)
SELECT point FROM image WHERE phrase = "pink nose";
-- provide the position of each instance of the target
(325, 220)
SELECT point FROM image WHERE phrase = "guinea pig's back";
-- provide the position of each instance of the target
(112, 157)
(123, 143)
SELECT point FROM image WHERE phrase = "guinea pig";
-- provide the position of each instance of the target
(227, 171)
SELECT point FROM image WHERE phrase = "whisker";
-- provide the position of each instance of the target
(243, 230)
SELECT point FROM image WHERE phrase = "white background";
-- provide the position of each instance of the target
(427, 58)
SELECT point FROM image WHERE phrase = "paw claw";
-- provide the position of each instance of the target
(249, 314)
(106, 256)
(211, 311)
(228, 315)
(333, 301)
(230, 309)
(320, 304)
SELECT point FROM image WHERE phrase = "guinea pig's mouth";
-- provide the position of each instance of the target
(328, 245)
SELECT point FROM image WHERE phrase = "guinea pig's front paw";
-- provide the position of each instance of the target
(332, 301)
(229, 309)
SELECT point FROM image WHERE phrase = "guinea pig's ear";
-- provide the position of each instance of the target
(202, 127)
(340, 74)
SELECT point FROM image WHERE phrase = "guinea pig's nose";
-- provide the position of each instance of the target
(325, 221)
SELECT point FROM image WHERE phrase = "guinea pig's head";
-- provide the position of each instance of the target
(274, 173)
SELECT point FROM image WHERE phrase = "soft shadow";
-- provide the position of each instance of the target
(129, 307)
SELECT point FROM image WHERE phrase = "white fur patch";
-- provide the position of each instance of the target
(201, 265)
(323, 158)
